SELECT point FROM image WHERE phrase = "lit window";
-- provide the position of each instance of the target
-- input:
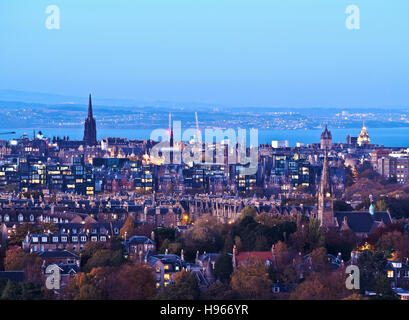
(390, 273)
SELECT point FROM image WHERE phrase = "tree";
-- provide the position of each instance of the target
(319, 260)
(394, 242)
(219, 291)
(18, 259)
(322, 286)
(250, 280)
(104, 257)
(18, 236)
(308, 237)
(283, 269)
(164, 246)
(265, 219)
(248, 212)
(134, 282)
(163, 233)
(12, 291)
(223, 267)
(204, 235)
(185, 287)
(31, 291)
(91, 286)
(380, 205)
(128, 228)
(89, 250)
(370, 265)
(383, 288)
(340, 242)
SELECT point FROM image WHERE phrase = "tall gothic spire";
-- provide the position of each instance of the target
(325, 177)
(90, 127)
(90, 107)
(325, 198)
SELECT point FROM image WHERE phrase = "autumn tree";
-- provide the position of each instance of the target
(185, 287)
(396, 243)
(308, 237)
(18, 259)
(250, 280)
(104, 257)
(322, 286)
(134, 282)
(128, 228)
(219, 291)
(340, 242)
(22, 229)
(248, 211)
(284, 265)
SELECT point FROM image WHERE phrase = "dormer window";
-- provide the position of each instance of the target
(55, 239)
(64, 239)
(83, 238)
(103, 238)
(35, 239)
(116, 230)
(1, 218)
(44, 239)
(6, 218)
(31, 218)
(94, 239)
(20, 218)
(74, 239)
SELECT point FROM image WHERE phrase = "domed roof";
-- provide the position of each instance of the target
(363, 137)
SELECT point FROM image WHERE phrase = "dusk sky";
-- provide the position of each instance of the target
(267, 53)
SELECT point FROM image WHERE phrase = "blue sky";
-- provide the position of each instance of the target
(288, 53)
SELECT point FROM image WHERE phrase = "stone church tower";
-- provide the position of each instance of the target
(90, 128)
(326, 139)
(325, 197)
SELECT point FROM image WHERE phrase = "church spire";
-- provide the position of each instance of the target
(325, 176)
(90, 127)
(90, 107)
(325, 198)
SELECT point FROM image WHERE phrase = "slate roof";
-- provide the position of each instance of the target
(15, 276)
(362, 221)
(57, 254)
(139, 240)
